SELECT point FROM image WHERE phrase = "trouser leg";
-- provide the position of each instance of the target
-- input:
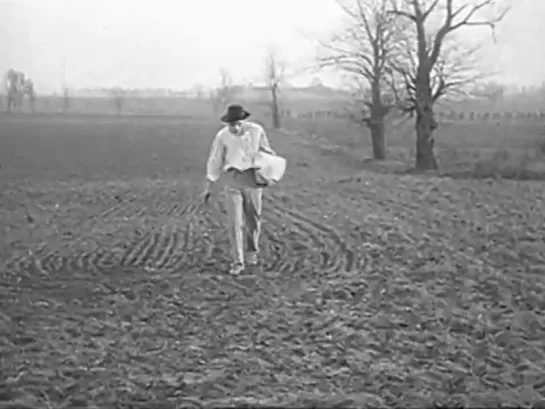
(252, 206)
(235, 222)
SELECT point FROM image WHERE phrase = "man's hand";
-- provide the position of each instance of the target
(262, 180)
(207, 192)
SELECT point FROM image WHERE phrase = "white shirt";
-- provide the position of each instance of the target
(236, 151)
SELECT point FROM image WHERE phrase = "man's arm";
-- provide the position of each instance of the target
(215, 160)
(264, 144)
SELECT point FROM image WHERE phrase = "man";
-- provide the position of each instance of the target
(233, 152)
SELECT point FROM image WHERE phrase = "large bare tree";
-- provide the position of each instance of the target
(275, 75)
(362, 51)
(425, 83)
(456, 74)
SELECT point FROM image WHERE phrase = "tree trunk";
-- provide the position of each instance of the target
(119, 106)
(425, 127)
(425, 121)
(376, 121)
(275, 110)
(66, 102)
(378, 138)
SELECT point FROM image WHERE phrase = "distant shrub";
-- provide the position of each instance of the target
(505, 163)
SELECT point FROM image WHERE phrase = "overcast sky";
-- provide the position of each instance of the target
(178, 43)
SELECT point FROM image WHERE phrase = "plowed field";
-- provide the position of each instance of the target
(375, 290)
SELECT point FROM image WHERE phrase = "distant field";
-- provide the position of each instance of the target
(464, 149)
(168, 106)
(376, 289)
(164, 106)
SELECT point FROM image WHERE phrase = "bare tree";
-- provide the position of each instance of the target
(362, 50)
(65, 98)
(430, 57)
(18, 85)
(224, 93)
(275, 73)
(118, 95)
(455, 75)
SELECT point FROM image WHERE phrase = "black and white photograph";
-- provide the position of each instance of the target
(272, 204)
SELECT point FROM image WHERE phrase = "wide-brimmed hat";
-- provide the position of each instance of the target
(235, 113)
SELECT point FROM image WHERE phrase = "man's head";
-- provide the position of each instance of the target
(234, 117)
(235, 127)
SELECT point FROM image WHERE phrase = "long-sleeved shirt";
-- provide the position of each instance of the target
(236, 151)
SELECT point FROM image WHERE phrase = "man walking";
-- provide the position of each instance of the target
(233, 152)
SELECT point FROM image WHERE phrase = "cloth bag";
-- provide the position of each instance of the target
(269, 169)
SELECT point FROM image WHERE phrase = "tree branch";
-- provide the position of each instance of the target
(362, 50)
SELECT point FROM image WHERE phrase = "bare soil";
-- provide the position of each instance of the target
(375, 290)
